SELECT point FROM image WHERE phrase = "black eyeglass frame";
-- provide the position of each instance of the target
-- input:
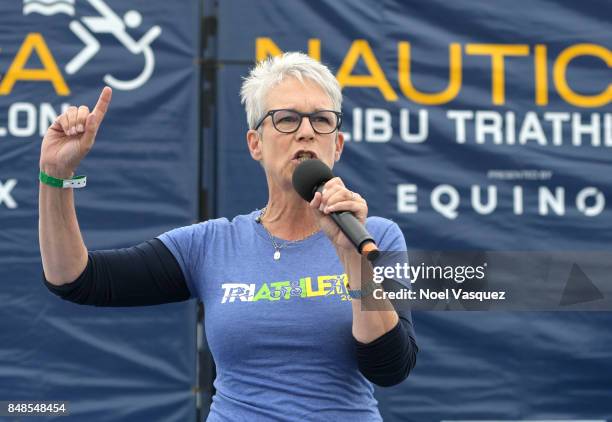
(302, 115)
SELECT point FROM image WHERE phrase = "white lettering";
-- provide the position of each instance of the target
(557, 119)
(597, 208)
(517, 193)
(378, 125)
(449, 209)
(546, 200)
(579, 129)
(30, 119)
(242, 291)
(5, 193)
(488, 123)
(423, 131)
(407, 198)
(477, 204)
(531, 130)
(460, 117)
(510, 128)
(608, 129)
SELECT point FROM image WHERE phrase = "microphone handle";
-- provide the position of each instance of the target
(356, 232)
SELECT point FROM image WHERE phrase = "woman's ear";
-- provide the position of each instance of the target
(254, 143)
(339, 145)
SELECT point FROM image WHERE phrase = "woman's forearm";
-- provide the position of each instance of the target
(63, 252)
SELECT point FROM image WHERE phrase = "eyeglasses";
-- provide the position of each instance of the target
(289, 121)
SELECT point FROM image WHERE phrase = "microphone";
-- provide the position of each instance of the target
(308, 178)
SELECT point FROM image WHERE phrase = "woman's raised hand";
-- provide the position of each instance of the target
(71, 137)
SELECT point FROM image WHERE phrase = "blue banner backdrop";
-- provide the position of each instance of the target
(110, 364)
(473, 125)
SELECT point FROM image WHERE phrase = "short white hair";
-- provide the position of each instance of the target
(270, 72)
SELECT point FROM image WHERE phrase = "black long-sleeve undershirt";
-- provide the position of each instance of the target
(148, 274)
(145, 274)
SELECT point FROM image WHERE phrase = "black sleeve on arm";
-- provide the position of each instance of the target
(145, 274)
(388, 360)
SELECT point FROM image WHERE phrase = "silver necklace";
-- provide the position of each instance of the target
(277, 247)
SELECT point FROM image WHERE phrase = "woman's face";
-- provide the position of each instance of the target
(277, 151)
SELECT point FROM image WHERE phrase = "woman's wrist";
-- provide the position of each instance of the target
(348, 256)
(351, 262)
(58, 172)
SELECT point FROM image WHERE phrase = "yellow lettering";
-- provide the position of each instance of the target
(325, 285)
(560, 69)
(49, 72)
(541, 75)
(309, 291)
(264, 293)
(265, 47)
(498, 52)
(375, 79)
(405, 81)
(303, 283)
(314, 48)
(341, 289)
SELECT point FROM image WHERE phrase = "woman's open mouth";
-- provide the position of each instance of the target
(303, 155)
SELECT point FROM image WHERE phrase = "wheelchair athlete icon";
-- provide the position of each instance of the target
(286, 292)
(110, 23)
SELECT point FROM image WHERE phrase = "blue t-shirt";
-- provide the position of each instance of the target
(280, 332)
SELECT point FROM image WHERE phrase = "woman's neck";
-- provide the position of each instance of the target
(289, 217)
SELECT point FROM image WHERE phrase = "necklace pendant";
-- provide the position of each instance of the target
(276, 255)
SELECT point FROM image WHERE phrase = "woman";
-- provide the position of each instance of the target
(288, 342)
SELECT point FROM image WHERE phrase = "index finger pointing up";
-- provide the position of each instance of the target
(102, 104)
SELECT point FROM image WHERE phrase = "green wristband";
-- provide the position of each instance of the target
(75, 182)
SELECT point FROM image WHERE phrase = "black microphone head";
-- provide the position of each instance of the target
(308, 176)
